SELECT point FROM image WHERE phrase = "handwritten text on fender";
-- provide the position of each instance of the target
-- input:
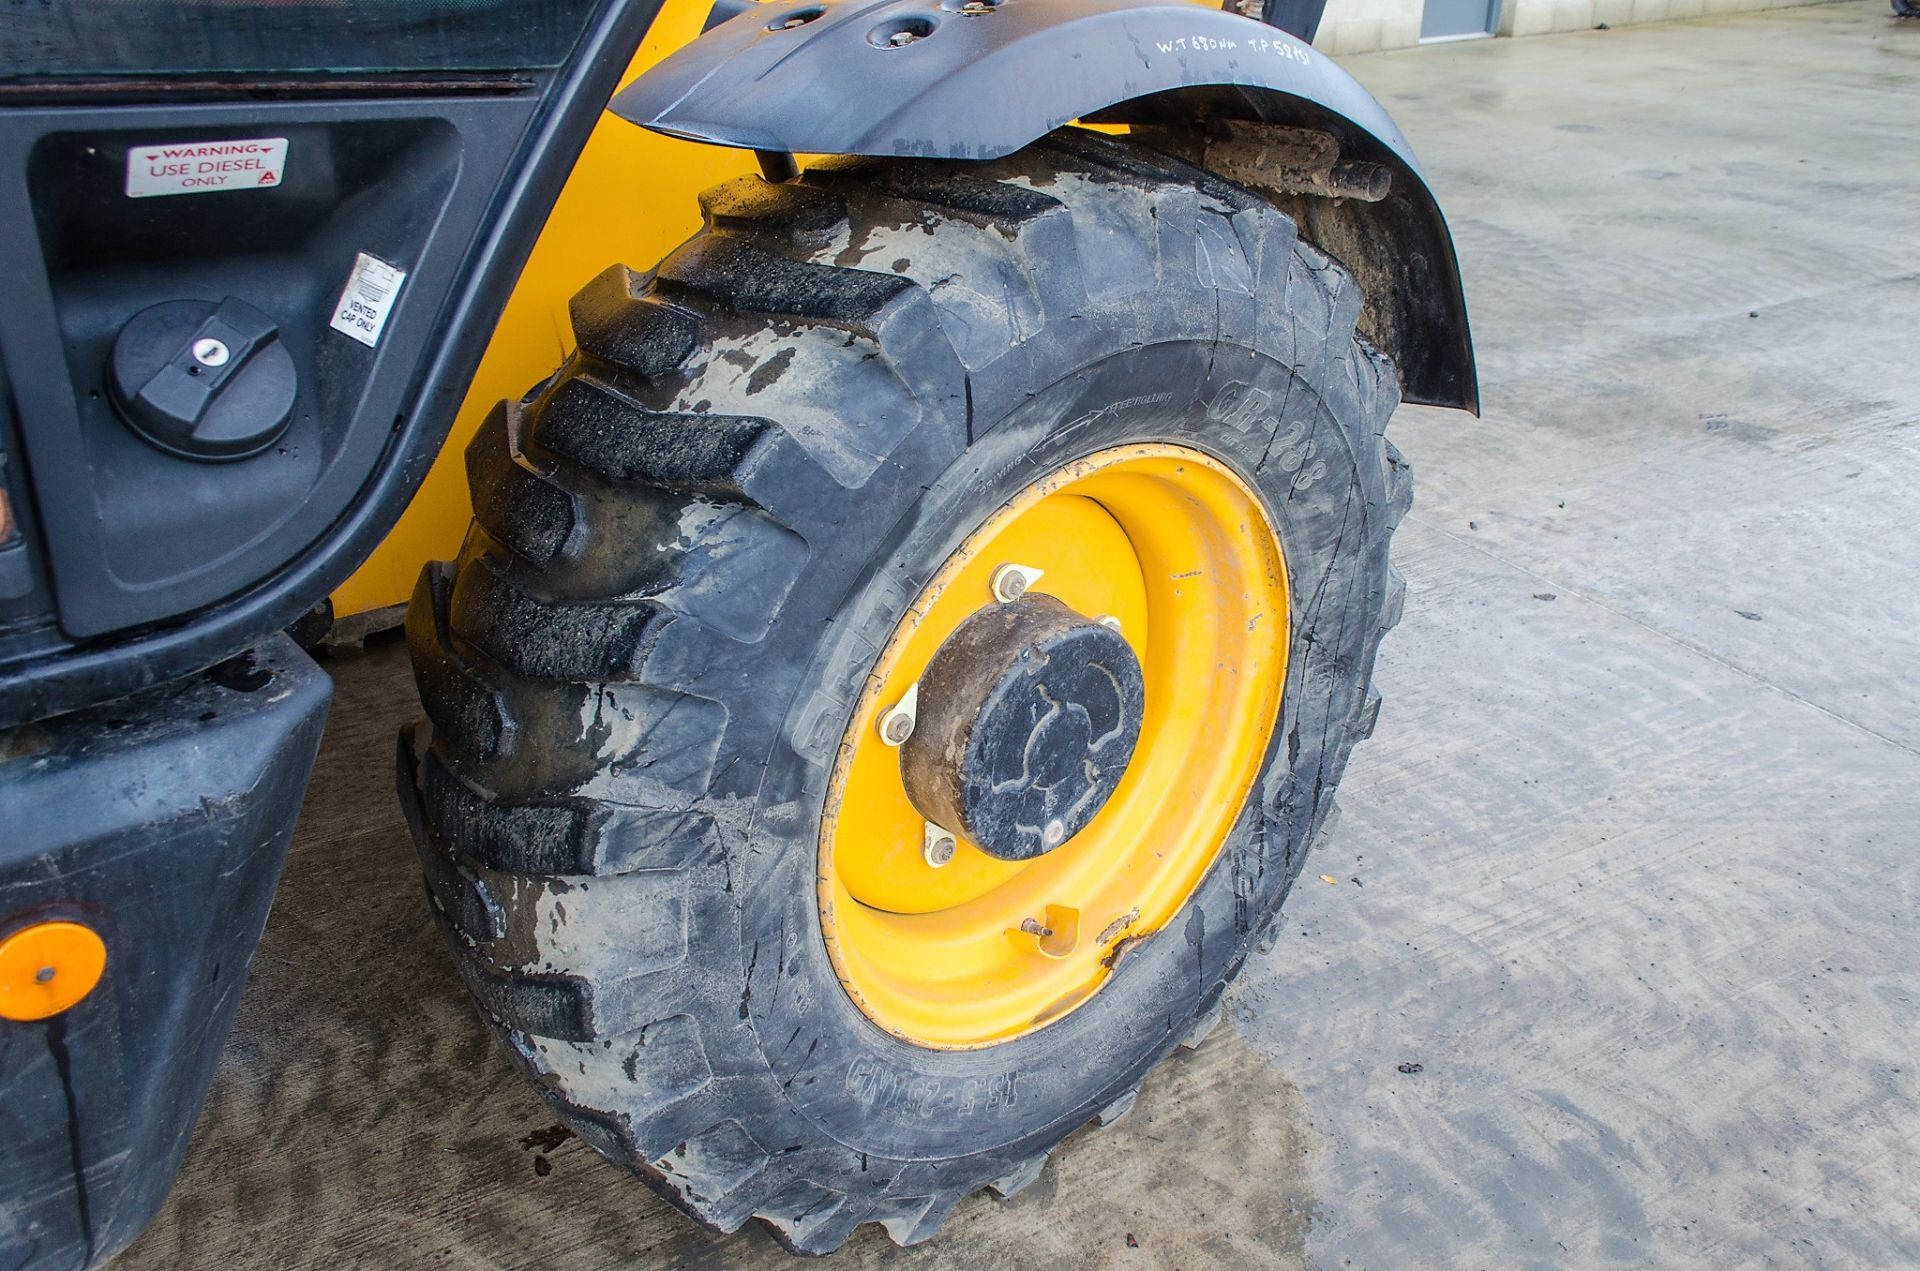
(1287, 49)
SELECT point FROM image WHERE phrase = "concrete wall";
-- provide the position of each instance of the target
(1362, 26)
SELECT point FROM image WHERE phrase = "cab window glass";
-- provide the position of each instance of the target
(42, 39)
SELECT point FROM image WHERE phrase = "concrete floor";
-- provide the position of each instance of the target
(1629, 869)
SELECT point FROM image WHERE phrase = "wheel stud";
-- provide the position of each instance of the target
(939, 847)
(1010, 582)
(896, 722)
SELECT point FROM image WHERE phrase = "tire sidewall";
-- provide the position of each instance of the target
(875, 1093)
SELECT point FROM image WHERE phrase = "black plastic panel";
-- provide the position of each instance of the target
(136, 534)
(159, 822)
(23, 596)
(158, 564)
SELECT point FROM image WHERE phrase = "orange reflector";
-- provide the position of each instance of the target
(48, 967)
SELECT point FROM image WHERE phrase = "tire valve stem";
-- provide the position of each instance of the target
(1058, 935)
(1010, 582)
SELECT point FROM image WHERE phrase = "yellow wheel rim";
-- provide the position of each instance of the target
(1177, 548)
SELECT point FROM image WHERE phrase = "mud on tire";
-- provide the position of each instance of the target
(688, 547)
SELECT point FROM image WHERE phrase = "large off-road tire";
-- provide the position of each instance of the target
(691, 546)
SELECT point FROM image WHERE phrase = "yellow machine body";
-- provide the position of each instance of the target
(630, 200)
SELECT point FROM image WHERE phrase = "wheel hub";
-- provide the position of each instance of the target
(1028, 715)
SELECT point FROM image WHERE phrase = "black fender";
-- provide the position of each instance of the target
(956, 80)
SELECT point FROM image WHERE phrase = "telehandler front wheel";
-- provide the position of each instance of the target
(897, 668)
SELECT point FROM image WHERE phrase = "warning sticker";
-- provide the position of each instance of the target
(371, 290)
(205, 167)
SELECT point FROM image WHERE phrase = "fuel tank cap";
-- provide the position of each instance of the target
(204, 380)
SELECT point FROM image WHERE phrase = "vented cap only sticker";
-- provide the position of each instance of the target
(205, 167)
(372, 289)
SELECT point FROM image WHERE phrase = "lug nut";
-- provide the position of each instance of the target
(896, 722)
(939, 846)
(1010, 582)
(901, 38)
